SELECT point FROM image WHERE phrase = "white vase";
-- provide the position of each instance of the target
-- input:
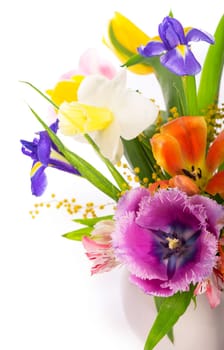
(199, 328)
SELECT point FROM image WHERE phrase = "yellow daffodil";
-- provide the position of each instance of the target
(65, 90)
(107, 110)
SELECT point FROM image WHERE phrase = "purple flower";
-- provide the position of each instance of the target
(167, 240)
(44, 154)
(173, 47)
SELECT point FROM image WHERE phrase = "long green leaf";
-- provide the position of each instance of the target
(212, 70)
(121, 182)
(93, 221)
(85, 169)
(40, 92)
(158, 302)
(77, 235)
(170, 311)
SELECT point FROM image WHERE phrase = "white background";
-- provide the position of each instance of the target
(48, 300)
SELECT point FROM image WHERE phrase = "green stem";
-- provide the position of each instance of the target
(190, 89)
(121, 182)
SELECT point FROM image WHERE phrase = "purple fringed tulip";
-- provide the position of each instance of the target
(167, 240)
(173, 47)
(44, 154)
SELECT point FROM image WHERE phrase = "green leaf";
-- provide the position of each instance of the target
(40, 92)
(211, 73)
(171, 84)
(133, 60)
(85, 168)
(93, 221)
(170, 311)
(137, 158)
(121, 182)
(77, 235)
(158, 302)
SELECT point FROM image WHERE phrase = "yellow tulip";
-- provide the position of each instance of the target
(123, 39)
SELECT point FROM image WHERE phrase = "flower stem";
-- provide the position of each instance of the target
(121, 182)
(191, 94)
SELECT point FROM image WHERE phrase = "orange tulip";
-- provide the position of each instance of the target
(180, 148)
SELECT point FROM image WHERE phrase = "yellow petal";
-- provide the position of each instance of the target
(123, 39)
(76, 118)
(65, 90)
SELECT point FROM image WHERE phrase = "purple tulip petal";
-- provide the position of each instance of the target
(153, 286)
(181, 63)
(130, 201)
(213, 212)
(135, 246)
(167, 241)
(198, 35)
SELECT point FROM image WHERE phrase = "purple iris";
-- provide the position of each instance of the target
(44, 154)
(173, 47)
(167, 240)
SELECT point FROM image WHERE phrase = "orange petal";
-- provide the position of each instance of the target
(167, 153)
(153, 187)
(185, 184)
(191, 134)
(216, 184)
(215, 155)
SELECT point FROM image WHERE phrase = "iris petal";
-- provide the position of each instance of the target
(38, 179)
(196, 35)
(44, 148)
(153, 48)
(171, 32)
(180, 64)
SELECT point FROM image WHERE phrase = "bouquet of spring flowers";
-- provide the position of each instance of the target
(167, 223)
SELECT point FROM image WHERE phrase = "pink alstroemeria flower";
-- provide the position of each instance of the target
(99, 248)
(91, 62)
(214, 285)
